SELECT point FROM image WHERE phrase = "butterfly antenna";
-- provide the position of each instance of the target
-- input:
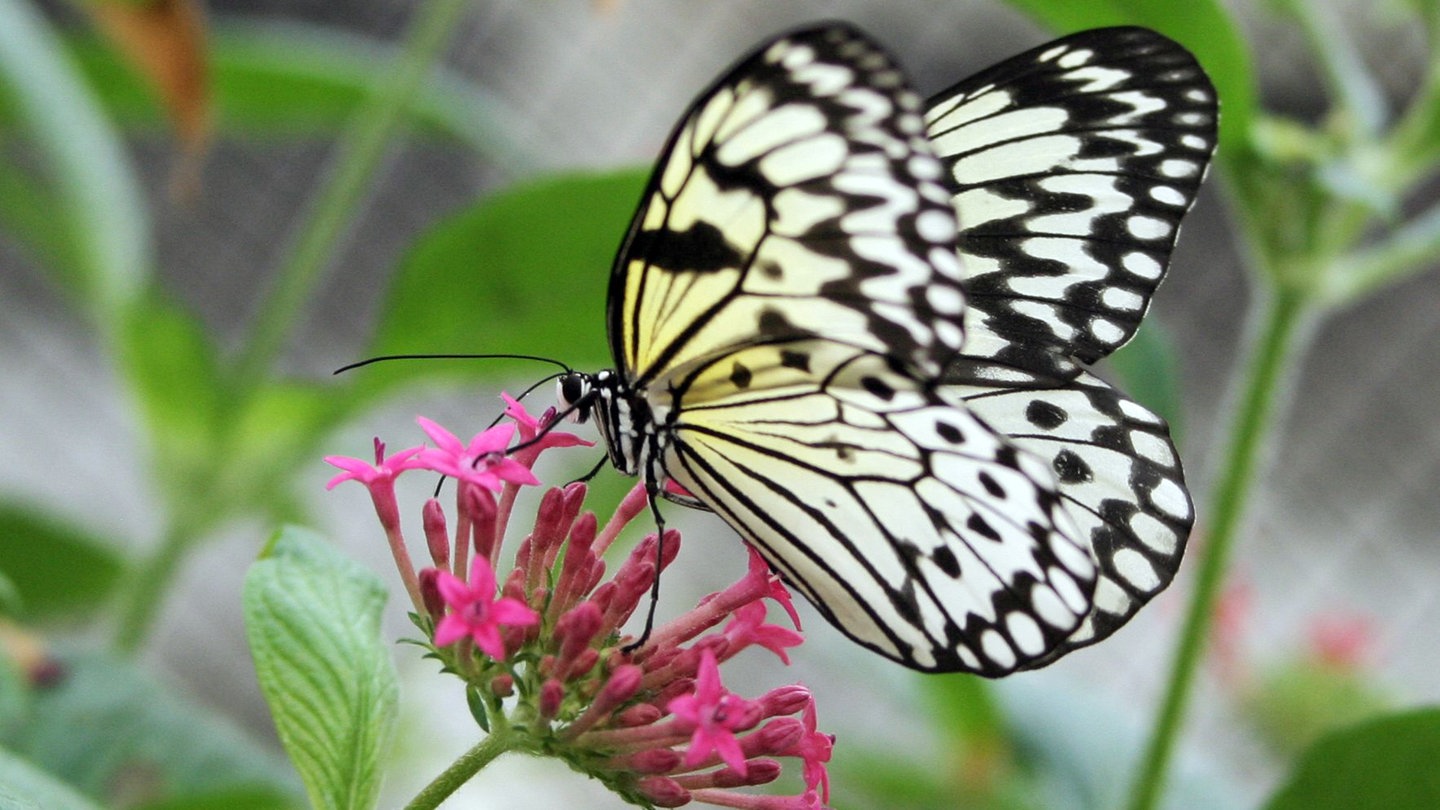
(388, 357)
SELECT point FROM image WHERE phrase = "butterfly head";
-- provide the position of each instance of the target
(576, 392)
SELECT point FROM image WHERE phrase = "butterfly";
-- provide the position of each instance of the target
(855, 325)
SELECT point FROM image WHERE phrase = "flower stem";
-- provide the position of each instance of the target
(1285, 317)
(358, 155)
(462, 769)
(147, 583)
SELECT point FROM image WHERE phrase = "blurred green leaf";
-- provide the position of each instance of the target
(106, 727)
(524, 271)
(313, 620)
(98, 197)
(1385, 764)
(172, 365)
(1203, 26)
(25, 787)
(292, 79)
(1148, 369)
(54, 567)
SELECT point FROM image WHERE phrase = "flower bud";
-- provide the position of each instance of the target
(662, 791)
(432, 518)
(552, 693)
(430, 593)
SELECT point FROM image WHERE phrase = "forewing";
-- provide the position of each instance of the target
(906, 520)
(1119, 477)
(1071, 167)
(798, 197)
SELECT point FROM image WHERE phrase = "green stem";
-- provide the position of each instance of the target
(147, 586)
(463, 769)
(359, 152)
(1283, 317)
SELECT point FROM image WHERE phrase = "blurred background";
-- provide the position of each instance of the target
(1337, 560)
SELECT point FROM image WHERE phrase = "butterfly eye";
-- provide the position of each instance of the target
(573, 392)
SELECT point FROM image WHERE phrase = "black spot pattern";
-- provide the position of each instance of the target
(877, 387)
(1071, 468)
(799, 361)
(982, 527)
(1045, 415)
(991, 485)
(945, 559)
(950, 433)
(741, 376)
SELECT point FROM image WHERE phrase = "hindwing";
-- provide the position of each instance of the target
(905, 519)
(1119, 477)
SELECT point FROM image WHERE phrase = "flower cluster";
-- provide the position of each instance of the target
(548, 666)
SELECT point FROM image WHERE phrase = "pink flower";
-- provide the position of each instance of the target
(774, 588)
(815, 749)
(382, 470)
(715, 714)
(530, 427)
(474, 610)
(481, 462)
(749, 627)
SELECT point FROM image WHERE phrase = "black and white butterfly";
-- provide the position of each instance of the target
(888, 403)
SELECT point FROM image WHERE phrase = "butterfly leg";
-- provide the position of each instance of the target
(652, 492)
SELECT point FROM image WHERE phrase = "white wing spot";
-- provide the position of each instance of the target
(1136, 570)
(1026, 633)
(1068, 590)
(968, 657)
(1178, 168)
(1075, 59)
(1143, 265)
(924, 168)
(945, 300)
(1106, 331)
(798, 162)
(1196, 94)
(997, 649)
(1169, 498)
(1153, 447)
(1167, 195)
(936, 226)
(1047, 605)
(1142, 227)
(1071, 556)
(1050, 54)
(1194, 142)
(1153, 533)
(1122, 299)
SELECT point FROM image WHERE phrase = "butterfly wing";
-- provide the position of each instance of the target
(1119, 477)
(1071, 167)
(797, 197)
(786, 293)
(904, 518)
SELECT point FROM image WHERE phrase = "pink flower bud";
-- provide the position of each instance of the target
(582, 663)
(655, 760)
(502, 686)
(552, 693)
(663, 791)
(784, 700)
(432, 518)
(430, 593)
(776, 737)
(576, 629)
(641, 714)
(480, 505)
(622, 685)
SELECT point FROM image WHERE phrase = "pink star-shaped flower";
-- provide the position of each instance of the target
(530, 427)
(774, 588)
(749, 627)
(476, 613)
(368, 473)
(814, 749)
(481, 462)
(715, 714)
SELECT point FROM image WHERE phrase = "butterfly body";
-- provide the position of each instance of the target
(795, 349)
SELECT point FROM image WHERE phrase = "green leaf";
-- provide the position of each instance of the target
(54, 567)
(105, 723)
(524, 271)
(1203, 26)
(99, 197)
(173, 369)
(313, 620)
(25, 787)
(1386, 764)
